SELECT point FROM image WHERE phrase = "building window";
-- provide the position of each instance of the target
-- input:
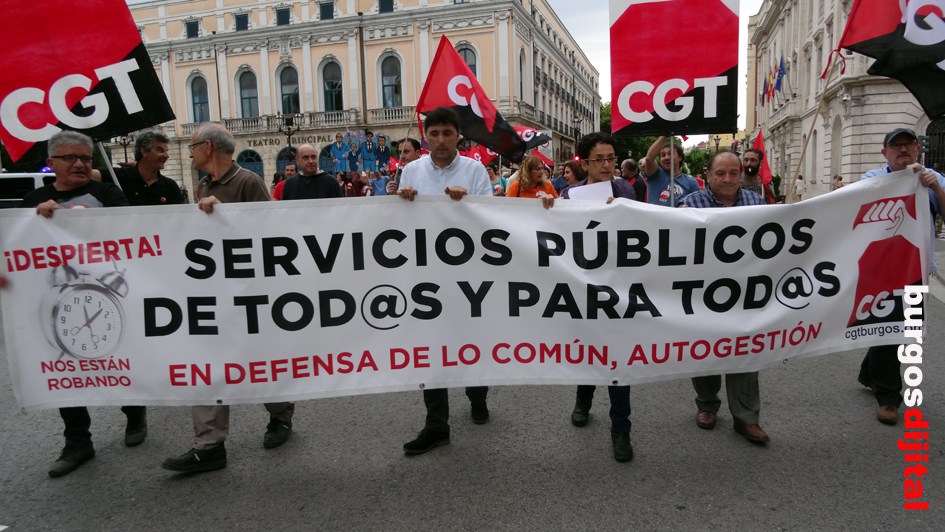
(282, 16)
(469, 57)
(249, 98)
(385, 6)
(200, 98)
(460, 1)
(242, 21)
(289, 80)
(390, 82)
(326, 10)
(193, 29)
(331, 73)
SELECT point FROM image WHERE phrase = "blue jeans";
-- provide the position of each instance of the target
(619, 404)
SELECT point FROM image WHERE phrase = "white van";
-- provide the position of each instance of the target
(14, 187)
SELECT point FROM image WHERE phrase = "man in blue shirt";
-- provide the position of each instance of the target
(724, 189)
(880, 370)
(658, 162)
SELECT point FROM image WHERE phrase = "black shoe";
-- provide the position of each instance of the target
(426, 440)
(136, 430)
(623, 450)
(480, 412)
(277, 433)
(581, 414)
(196, 460)
(71, 457)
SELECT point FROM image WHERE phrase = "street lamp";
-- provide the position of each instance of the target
(125, 140)
(717, 140)
(288, 126)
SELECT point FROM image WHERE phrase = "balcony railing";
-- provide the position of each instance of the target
(391, 115)
(326, 119)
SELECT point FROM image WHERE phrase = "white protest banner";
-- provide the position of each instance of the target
(293, 300)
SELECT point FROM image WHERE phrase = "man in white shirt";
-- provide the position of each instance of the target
(444, 172)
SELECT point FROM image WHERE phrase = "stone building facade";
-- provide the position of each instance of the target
(267, 69)
(857, 108)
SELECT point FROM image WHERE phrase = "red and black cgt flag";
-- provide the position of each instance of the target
(451, 84)
(674, 66)
(532, 137)
(78, 66)
(907, 39)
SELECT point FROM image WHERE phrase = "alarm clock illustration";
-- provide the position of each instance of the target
(85, 315)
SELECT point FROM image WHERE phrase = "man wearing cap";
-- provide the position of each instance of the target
(880, 368)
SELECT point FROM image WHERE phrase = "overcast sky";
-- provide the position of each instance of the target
(588, 21)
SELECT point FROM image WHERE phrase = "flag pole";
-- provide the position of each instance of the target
(820, 105)
(672, 169)
(108, 164)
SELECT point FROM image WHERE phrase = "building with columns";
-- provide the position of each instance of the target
(273, 69)
(843, 118)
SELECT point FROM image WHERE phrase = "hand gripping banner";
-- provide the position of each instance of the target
(79, 66)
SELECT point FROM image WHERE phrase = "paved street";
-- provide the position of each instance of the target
(830, 464)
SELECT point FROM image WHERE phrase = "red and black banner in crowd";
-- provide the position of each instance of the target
(907, 39)
(451, 84)
(674, 66)
(533, 138)
(77, 66)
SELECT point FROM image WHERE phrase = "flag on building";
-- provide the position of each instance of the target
(782, 71)
(908, 46)
(451, 84)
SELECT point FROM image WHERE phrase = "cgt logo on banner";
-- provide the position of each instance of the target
(274, 300)
(78, 66)
(673, 66)
(887, 265)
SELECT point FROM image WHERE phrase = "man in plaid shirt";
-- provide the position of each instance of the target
(724, 189)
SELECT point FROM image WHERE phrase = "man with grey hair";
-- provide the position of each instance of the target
(143, 183)
(70, 158)
(211, 148)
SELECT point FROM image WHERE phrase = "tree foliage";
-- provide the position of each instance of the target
(633, 147)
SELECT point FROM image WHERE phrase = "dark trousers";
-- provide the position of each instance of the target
(437, 402)
(619, 404)
(880, 368)
(78, 422)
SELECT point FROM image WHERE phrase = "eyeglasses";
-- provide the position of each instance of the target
(72, 158)
(194, 145)
(901, 145)
(603, 160)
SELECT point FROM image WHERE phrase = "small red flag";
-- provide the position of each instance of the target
(765, 170)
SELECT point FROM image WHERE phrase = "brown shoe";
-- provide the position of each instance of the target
(706, 420)
(752, 433)
(887, 414)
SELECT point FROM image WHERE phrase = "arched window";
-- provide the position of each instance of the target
(331, 74)
(251, 161)
(200, 99)
(936, 156)
(390, 82)
(249, 97)
(469, 57)
(289, 81)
